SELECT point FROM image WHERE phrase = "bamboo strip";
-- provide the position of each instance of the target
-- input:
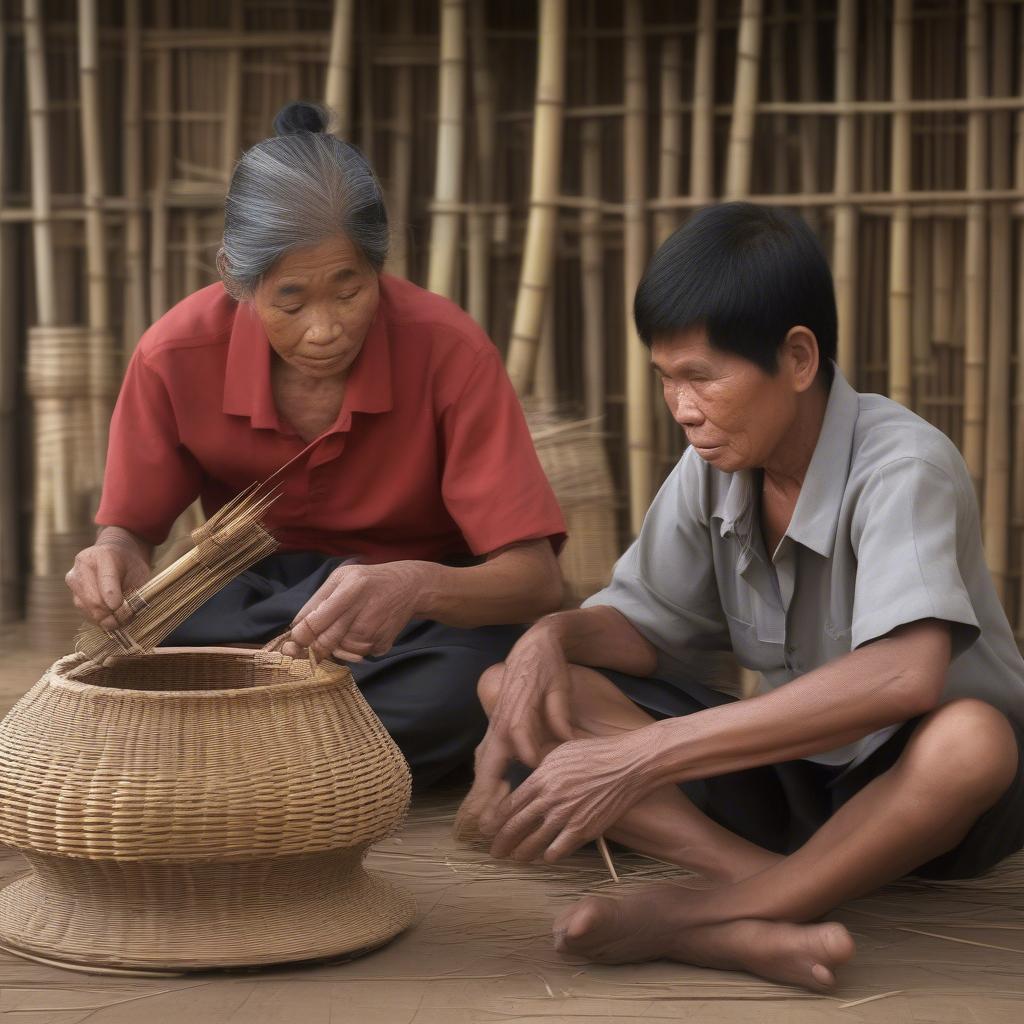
(399, 193)
(974, 285)
(478, 261)
(741, 131)
(539, 245)
(844, 240)
(338, 88)
(702, 126)
(135, 270)
(996, 497)
(900, 355)
(443, 268)
(638, 374)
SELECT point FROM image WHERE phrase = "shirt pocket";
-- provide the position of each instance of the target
(750, 652)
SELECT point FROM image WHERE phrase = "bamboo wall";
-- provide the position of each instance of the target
(530, 175)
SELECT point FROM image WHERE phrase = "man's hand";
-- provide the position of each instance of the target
(579, 791)
(532, 715)
(360, 610)
(102, 575)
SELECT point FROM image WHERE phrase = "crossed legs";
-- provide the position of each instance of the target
(959, 761)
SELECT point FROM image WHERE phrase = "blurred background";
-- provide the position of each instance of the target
(534, 154)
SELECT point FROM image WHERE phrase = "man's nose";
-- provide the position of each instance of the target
(684, 410)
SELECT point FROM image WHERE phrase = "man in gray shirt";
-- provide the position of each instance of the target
(831, 541)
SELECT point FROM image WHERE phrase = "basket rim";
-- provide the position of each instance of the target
(326, 674)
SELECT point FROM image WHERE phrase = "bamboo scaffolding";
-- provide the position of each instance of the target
(338, 87)
(975, 345)
(539, 245)
(443, 266)
(702, 125)
(741, 131)
(996, 495)
(638, 374)
(900, 354)
(478, 255)
(844, 238)
(135, 269)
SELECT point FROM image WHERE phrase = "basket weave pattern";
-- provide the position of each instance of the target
(193, 809)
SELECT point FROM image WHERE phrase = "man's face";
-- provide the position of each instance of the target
(316, 305)
(733, 413)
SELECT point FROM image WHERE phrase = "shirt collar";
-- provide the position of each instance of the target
(247, 388)
(816, 516)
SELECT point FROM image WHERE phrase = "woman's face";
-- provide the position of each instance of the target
(733, 413)
(317, 304)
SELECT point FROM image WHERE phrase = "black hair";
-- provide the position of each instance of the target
(299, 116)
(746, 274)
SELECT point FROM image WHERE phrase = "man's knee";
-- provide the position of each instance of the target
(965, 746)
(489, 685)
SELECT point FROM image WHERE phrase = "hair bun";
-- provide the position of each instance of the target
(300, 116)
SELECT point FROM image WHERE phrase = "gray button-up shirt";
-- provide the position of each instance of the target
(885, 532)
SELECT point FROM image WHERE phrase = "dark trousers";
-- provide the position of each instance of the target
(423, 689)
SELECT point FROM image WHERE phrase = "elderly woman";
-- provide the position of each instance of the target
(831, 540)
(416, 525)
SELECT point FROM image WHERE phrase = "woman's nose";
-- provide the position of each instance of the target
(323, 330)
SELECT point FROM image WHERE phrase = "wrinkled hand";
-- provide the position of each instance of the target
(100, 578)
(579, 791)
(531, 717)
(359, 610)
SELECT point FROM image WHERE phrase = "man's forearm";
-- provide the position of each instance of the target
(601, 637)
(883, 684)
(517, 585)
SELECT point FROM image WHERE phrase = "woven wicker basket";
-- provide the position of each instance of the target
(197, 808)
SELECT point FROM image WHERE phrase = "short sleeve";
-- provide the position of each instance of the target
(665, 583)
(492, 482)
(150, 477)
(907, 535)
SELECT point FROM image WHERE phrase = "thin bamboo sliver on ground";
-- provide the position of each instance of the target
(539, 245)
(443, 272)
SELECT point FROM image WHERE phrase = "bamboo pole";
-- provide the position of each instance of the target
(443, 266)
(338, 88)
(232, 139)
(778, 153)
(638, 374)
(478, 261)
(10, 532)
(1000, 298)
(539, 245)
(975, 345)
(809, 134)
(670, 149)
(741, 130)
(844, 239)
(592, 291)
(1018, 492)
(367, 125)
(159, 215)
(400, 191)
(900, 353)
(702, 125)
(135, 269)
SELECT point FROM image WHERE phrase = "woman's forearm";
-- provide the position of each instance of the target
(518, 584)
(883, 684)
(119, 536)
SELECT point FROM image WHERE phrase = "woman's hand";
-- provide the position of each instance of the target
(360, 610)
(532, 715)
(579, 791)
(103, 574)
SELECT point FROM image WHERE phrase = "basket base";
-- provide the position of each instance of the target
(105, 916)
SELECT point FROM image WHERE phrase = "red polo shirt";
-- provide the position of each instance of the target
(430, 457)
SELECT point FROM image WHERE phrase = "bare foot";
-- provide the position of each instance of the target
(634, 929)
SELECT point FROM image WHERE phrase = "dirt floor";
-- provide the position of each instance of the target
(480, 951)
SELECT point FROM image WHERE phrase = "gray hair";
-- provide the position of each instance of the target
(295, 190)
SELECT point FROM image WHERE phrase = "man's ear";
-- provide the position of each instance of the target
(800, 353)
